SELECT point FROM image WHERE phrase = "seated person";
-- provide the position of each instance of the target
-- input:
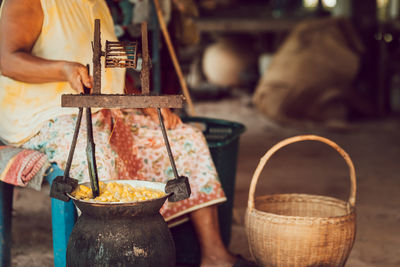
(44, 47)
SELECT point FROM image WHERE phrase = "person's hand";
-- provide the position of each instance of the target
(171, 120)
(77, 76)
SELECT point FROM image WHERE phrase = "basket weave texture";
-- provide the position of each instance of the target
(300, 229)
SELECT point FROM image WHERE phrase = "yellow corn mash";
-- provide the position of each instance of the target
(117, 192)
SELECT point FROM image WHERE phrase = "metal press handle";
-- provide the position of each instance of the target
(73, 145)
(164, 133)
(91, 155)
(90, 148)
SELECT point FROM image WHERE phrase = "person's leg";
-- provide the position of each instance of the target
(213, 250)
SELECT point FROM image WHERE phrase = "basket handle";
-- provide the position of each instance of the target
(270, 152)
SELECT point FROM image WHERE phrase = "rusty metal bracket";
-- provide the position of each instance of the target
(179, 188)
(65, 184)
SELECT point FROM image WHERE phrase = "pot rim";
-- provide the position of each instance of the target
(137, 183)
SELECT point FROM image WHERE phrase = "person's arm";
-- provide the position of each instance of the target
(20, 26)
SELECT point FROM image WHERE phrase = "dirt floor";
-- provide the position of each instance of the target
(307, 167)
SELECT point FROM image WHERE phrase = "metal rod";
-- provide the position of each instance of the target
(119, 52)
(73, 145)
(145, 73)
(91, 155)
(164, 132)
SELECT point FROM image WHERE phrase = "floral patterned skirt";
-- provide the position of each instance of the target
(129, 145)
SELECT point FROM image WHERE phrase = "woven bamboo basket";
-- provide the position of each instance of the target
(300, 229)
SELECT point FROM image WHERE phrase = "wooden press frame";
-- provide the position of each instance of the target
(99, 100)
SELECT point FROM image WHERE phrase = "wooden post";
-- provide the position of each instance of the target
(155, 52)
(174, 58)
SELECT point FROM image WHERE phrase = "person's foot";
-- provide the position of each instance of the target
(242, 262)
(225, 260)
(231, 261)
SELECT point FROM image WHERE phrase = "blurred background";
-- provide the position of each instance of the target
(280, 68)
(337, 57)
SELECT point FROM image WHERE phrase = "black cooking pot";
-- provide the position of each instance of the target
(121, 234)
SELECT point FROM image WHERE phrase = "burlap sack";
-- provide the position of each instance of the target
(311, 73)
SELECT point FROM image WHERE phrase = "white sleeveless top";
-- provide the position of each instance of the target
(67, 33)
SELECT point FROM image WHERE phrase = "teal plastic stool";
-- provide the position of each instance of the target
(63, 218)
